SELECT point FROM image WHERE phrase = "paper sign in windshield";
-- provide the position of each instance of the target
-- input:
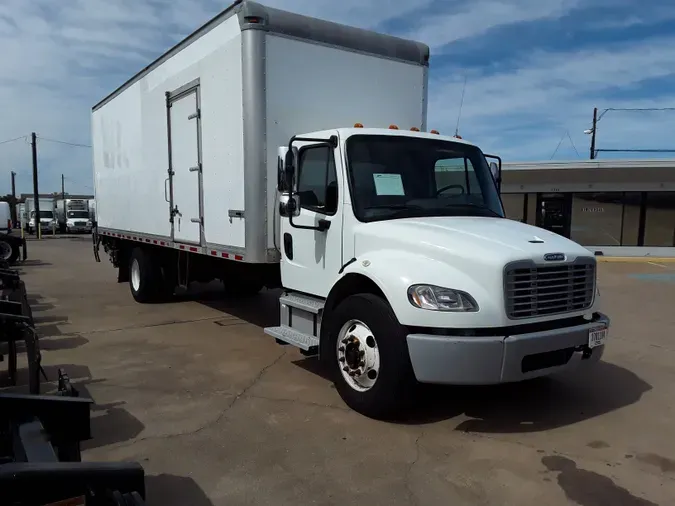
(388, 184)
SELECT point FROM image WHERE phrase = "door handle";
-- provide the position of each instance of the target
(166, 193)
(195, 220)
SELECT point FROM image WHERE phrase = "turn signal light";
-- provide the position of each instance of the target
(393, 127)
(358, 125)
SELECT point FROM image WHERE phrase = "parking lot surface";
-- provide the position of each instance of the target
(218, 414)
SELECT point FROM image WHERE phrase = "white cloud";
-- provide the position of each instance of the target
(547, 93)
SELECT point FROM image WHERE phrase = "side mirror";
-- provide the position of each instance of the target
(289, 205)
(496, 173)
(286, 163)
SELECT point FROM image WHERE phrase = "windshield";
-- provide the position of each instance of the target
(78, 214)
(402, 177)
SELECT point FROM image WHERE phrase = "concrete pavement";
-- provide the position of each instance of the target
(218, 414)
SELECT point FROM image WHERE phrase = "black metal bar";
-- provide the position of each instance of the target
(42, 483)
(64, 418)
(31, 443)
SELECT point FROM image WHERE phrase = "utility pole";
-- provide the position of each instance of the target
(14, 215)
(595, 124)
(36, 193)
(63, 188)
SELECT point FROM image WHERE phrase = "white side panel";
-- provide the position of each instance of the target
(185, 165)
(130, 145)
(311, 87)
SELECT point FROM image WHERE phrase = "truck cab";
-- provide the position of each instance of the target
(398, 264)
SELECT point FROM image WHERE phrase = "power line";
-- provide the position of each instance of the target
(15, 139)
(65, 142)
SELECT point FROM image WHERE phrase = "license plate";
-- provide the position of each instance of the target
(597, 336)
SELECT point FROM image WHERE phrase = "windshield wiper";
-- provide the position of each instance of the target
(475, 206)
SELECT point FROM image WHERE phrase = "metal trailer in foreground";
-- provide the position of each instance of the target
(40, 435)
(11, 244)
(241, 155)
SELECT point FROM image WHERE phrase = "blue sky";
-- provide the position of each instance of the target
(534, 69)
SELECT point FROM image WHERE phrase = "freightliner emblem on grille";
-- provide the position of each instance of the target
(554, 257)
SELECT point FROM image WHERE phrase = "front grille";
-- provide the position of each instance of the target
(535, 290)
(80, 223)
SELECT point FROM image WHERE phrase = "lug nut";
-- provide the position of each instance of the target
(341, 349)
(362, 364)
(362, 354)
(345, 340)
(341, 359)
(357, 373)
(345, 369)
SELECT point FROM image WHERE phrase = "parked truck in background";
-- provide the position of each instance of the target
(92, 210)
(47, 220)
(389, 243)
(72, 215)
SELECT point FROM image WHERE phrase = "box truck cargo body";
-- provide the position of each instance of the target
(241, 155)
(229, 95)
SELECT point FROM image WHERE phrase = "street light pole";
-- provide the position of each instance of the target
(593, 128)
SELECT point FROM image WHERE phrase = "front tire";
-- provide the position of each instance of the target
(144, 276)
(368, 357)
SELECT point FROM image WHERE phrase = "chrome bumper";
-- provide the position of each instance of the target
(466, 360)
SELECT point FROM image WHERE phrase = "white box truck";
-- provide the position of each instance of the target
(241, 155)
(72, 215)
(47, 220)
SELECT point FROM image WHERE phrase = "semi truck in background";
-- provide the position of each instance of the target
(294, 154)
(72, 215)
(46, 220)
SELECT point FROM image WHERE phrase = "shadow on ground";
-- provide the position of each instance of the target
(171, 490)
(531, 406)
(110, 423)
(261, 310)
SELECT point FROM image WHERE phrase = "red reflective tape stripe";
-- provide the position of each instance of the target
(162, 243)
(238, 257)
(225, 255)
(154, 241)
(214, 253)
(181, 246)
(193, 249)
(147, 240)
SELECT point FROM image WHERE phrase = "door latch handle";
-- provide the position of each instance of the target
(196, 220)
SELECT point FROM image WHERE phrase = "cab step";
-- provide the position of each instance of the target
(288, 335)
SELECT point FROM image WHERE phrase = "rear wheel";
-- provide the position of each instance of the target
(145, 277)
(369, 357)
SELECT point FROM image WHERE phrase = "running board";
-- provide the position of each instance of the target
(288, 335)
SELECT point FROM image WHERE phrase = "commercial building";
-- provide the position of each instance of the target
(613, 207)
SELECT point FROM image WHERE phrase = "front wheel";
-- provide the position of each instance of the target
(368, 357)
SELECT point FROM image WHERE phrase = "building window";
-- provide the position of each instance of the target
(596, 218)
(630, 228)
(532, 210)
(660, 219)
(513, 205)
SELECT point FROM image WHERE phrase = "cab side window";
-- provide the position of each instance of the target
(317, 180)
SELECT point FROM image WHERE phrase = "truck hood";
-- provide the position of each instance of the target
(465, 241)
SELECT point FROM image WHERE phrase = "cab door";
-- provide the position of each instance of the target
(311, 258)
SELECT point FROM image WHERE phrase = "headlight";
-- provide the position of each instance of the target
(89, 223)
(437, 298)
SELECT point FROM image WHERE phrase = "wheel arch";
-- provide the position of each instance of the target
(349, 284)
